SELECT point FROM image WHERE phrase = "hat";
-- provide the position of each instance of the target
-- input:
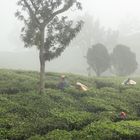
(63, 76)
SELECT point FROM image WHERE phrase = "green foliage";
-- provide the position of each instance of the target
(73, 119)
(70, 114)
(60, 31)
(59, 135)
(64, 33)
(54, 135)
(101, 84)
(96, 105)
(110, 131)
(98, 58)
(12, 82)
(123, 60)
(37, 137)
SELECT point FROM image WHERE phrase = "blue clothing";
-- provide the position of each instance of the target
(63, 84)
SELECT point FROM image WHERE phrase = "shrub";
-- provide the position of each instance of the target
(73, 119)
(59, 135)
(128, 130)
(101, 84)
(68, 114)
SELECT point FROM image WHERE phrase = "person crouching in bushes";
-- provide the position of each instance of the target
(117, 117)
(63, 83)
(123, 115)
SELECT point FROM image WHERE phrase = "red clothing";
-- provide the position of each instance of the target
(123, 115)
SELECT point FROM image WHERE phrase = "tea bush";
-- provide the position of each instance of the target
(124, 130)
(101, 84)
(69, 114)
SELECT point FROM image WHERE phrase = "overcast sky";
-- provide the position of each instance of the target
(109, 12)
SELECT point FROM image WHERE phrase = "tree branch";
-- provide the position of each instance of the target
(32, 13)
(65, 8)
(34, 6)
(62, 10)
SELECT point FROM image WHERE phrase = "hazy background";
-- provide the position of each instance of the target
(119, 15)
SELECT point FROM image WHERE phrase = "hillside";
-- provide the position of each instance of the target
(70, 114)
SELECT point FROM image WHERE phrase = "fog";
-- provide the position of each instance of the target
(122, 16)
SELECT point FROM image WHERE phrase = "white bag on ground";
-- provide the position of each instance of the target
(81, 86)
(132, 82)
(129, 82)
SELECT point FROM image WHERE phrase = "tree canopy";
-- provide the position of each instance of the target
(59, 31)
(98, 58)
(123, 60)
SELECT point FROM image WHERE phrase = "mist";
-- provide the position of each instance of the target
(121, 17)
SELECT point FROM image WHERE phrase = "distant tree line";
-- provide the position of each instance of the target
(94, 32)
(122, 61)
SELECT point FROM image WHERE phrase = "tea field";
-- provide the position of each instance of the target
(70, 114)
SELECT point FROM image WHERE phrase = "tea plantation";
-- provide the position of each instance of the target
(70, 114)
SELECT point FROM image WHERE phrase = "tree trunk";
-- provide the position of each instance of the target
(42, 74)
(98, 73)
(42, 64)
